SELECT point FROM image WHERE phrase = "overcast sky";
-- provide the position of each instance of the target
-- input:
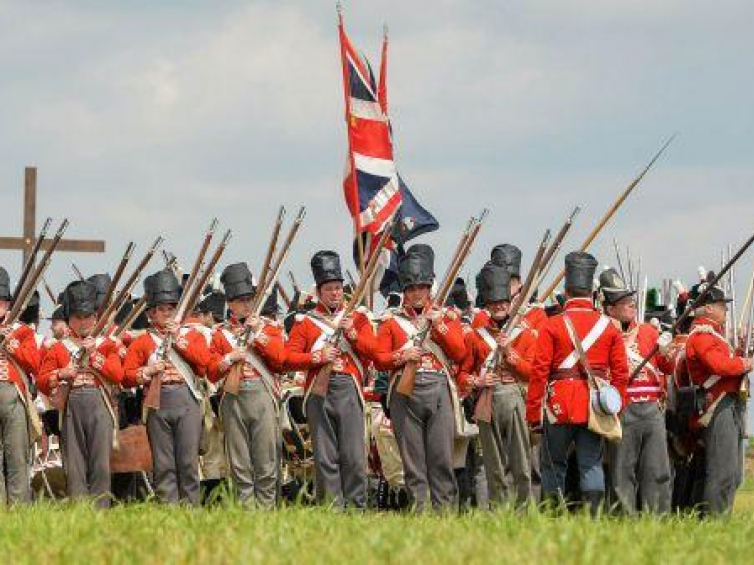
(151, 117)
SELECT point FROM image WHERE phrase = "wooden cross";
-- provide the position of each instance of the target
(26, 243)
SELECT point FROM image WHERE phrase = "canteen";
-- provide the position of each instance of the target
(606, 400)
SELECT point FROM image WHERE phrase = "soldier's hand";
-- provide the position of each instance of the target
(502, 339)
(67, 374)
(172, 328)
(238, 354)
(411, 354)
(748, 364)
(482, 381)
(329, 353)
(512, 357)
(154, 368)
(664, 341)
(434, 314)
(5, 331)
(255, 323)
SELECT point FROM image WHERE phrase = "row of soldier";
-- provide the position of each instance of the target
(530, 387)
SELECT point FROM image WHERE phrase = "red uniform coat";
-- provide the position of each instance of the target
(103, 363)
(305, 333)
(709, 354)
(20, 346)
(190, 345)
(649, 385)
(568, 398)
(535, 316)
(477, 351)
(268, 345)
(448, 334)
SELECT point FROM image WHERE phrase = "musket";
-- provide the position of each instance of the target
(199, 260)
(321, 379)
(695, 304)
(747, 301)
(32, 279)
(611, 212)
(517, 312)
(620, 262)
(407, 380)
(232, 382)
(269, 254)
(77, 272)
(558, 239)
(196, 291)
(293, 282)
(552, 250)
(116, 278)
(51, 295)
(152, 396)
(29, 265)
(283, 295)
(136, 310)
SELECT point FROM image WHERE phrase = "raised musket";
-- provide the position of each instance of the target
(695, 304)
(30, 262)
(407, 377)
(32, 279)
(232, 384)
(321, 379)
(116, 278)
(271, 248)
(611, 212)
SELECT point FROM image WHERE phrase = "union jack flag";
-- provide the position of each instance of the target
(373, 189)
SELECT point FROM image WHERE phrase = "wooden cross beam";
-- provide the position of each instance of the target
(26, 243)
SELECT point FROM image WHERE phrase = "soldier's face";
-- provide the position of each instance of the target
(331, 294)
(416, 296)
(82, 324)
(499, 309)
(717, 312)
(240, 307)
(624, 310)
(162, 314)
(4, 307)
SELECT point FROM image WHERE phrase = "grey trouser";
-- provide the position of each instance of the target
(556, 442)
(174, 432)
(252, 437)
(639, 463)
(424, 427)
(336, 423)
(505, 448)
(723, 463)
(14, 446)
(87, 442)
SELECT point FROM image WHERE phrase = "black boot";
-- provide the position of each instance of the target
(595, 499)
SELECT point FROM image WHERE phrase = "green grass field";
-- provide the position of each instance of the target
(152, 534)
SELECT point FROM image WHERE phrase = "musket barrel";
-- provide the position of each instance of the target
(29, 265)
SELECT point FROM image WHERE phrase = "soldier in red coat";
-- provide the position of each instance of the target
(324, 338)
(254, 346)
(178, 356)
(78, 371)
(19, 357)
(639, 464)
(425, 422)
(558, 399)
(499, 365)
(720, 376)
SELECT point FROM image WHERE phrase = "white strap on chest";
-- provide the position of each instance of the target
(591, 338)
(251, 357)
(412, 332)
(707, 329)
(326, 332)
(180, 364)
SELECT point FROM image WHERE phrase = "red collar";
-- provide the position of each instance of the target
(704, 321)
(579, 304)
(322, 309)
